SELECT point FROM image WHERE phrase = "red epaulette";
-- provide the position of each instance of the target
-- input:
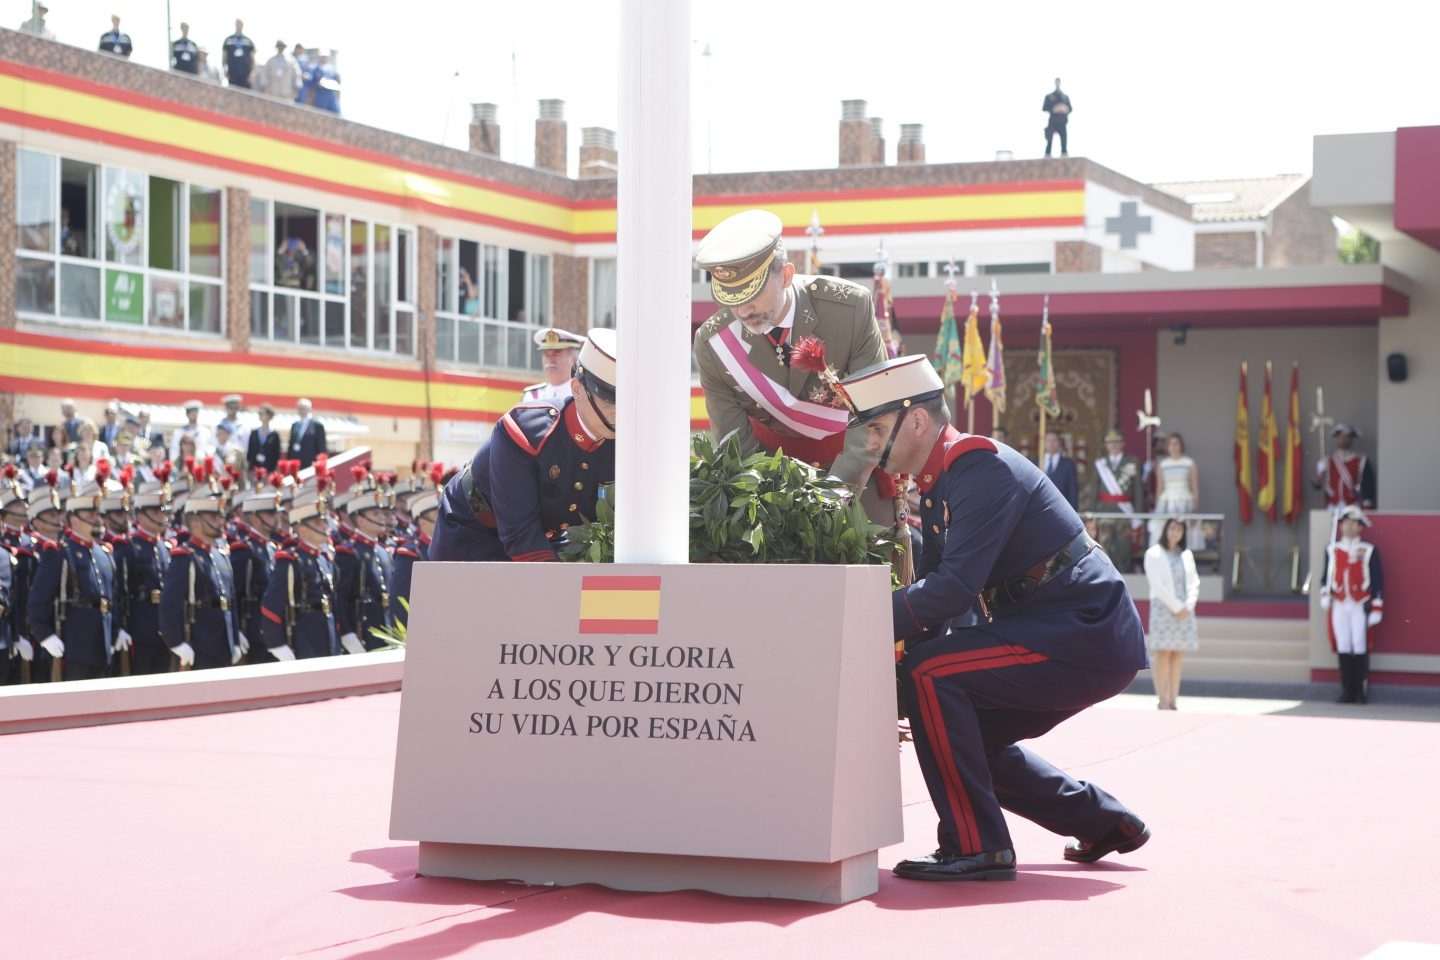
(181, 552)
(284, 555)
(344, 548)
(530, 425)
(239, 545)
(968, 443)
(107, 548)
(407, 552)
(50, 545)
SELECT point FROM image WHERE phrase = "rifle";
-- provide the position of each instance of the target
(290, 607)
(190, 609)
(57, 664)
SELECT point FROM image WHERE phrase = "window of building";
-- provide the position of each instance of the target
(489, 303)
(912, 269)
(323, 279)
(602, 292)
(111, 245)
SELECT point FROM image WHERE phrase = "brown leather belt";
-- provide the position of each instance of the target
(1012, 591)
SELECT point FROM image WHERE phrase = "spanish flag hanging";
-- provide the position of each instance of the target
(1244, 483)
(1266, 455)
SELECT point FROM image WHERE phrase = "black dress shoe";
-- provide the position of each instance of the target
(940, 865)
(1127, 835)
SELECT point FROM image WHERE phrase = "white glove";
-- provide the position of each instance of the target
(244, 643)
(54, 646)
(186, 653)
(26, 649)
(352, 643)
(282, 653)
(236, 656)
(1324, 601)
(1321, 466)
(123, 641)
(1373, 618)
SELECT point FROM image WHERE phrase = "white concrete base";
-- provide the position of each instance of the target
(84, 703)
(849, 879)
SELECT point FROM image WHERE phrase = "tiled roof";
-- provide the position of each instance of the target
(1249, 199)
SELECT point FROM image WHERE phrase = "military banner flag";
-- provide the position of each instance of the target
(1045, 393)
(973, 359)
(1266, 454)
(1244, 483)
(1294, 496)
(995, 364)
(948, 359)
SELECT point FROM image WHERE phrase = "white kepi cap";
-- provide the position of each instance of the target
(890, 385)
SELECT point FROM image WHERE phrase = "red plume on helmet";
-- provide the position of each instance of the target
(52, 477)
(162, 472)
(233, 470)
(226, 482)
(189, 463)
(102, 472)
(127, 475)
(10, 471)
(260, 475)
(437, 472)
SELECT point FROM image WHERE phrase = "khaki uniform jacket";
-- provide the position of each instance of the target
(1090, 500)
(838, 312)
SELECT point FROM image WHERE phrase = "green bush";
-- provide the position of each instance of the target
(764, 508)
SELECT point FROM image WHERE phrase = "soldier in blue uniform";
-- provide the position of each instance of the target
(539, 473)
(199, 618)
(18, 559)
(298, 609)
(46, 515)
(1058, 633)
(71, 605)
(252, 556)
(115, 515)
(366, 570)
(411, 551)
(150, 546)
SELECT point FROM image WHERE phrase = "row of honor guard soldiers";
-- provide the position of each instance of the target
(113, 579)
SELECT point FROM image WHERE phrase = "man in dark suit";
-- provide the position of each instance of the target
(307, 435)
(263, 448)
(1061, 469)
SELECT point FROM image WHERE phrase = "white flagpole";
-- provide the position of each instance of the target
(653, 284)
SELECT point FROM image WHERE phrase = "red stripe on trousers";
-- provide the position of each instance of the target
(966, 661)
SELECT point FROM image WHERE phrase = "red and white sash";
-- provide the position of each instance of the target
(813, 420)
(1114, 492)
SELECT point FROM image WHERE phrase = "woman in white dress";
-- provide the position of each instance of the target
(1179, 488)
(1174, 591)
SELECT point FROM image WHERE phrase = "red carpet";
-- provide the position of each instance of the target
(264, 834)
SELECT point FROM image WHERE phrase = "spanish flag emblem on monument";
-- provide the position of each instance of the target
(619, 605)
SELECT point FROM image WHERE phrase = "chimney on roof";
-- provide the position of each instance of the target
(598, 158)
(484, 131)
(551, 143)
(877, 141)
(911, 148)
(854, 134)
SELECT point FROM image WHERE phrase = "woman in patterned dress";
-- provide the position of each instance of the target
(1174, 591)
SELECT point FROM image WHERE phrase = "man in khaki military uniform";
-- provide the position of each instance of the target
(744, 350)
(1115, 485)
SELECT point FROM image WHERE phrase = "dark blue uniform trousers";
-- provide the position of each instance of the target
(972, 696)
